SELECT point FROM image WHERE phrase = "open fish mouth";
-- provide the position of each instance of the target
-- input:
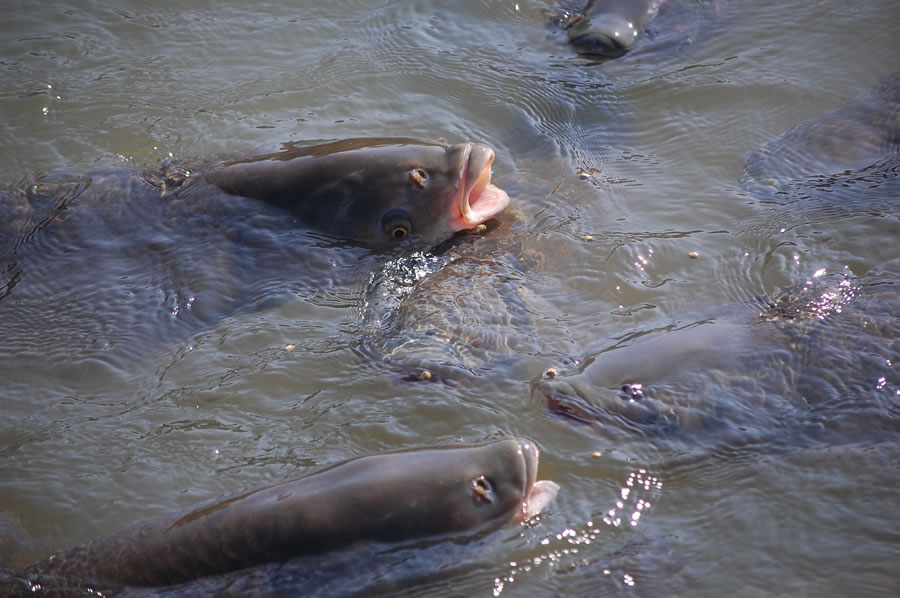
(537, 494)
(477, 199)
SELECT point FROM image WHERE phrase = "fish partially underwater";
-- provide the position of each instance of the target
(370, 190)
(812, 363)
(610, 29)
(393, 498)
(119, 257)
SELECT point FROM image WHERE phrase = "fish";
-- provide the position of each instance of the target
(836, 172)
(375, 191)
(395, 497)
(609, 28)
(116, 259)
(861, 139)
(603, 30)
(464, 314)
(371, 190)
(809, 362)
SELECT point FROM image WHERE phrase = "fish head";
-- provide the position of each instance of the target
(605, 35)
(500, 483)
(417, 194)
(376, 191)
(538, 494)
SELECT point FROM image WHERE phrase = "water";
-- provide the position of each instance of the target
(641, 154)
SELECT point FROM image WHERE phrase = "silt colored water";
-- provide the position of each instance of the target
(616, 172)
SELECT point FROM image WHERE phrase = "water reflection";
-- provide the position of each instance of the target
(615, 531)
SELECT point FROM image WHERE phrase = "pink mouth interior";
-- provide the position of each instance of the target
(478, 200)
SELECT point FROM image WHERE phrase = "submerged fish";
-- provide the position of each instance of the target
(816, 360)
(445, 492)
(466, 310)
(849, 155)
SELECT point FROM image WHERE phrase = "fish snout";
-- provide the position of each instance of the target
(477, 198)
(537, 494)
(610, 36)
(563, 399)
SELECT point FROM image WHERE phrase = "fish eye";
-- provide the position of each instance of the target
(396, 225)
(482, 490)
(418, 177)
(398, 232)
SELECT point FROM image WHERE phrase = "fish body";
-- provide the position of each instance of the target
(392, 497)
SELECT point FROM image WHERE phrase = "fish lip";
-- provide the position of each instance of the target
(530, 456)
(536, 494)
(477, 199)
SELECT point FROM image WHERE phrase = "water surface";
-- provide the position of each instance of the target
(617, 172)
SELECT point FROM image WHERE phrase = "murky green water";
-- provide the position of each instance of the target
(93, 437)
